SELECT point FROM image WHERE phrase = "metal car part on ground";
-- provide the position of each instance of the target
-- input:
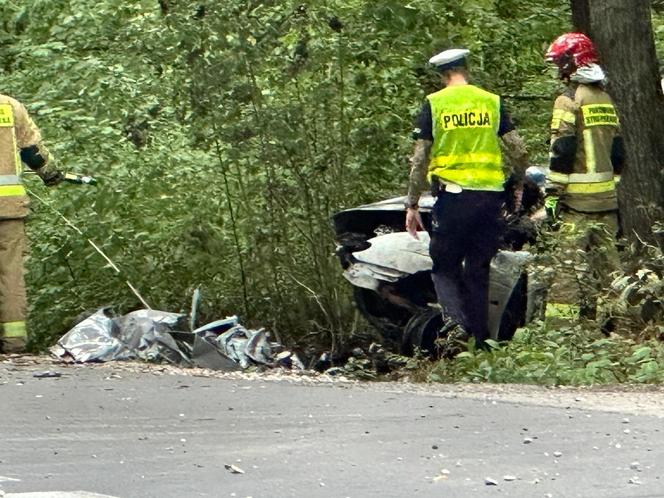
(159, 336)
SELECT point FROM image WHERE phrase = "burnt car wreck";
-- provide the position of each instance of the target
(390, 272)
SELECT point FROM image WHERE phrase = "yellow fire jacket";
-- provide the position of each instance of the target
(586, 149)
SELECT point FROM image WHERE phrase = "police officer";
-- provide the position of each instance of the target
(458, 150)
(20, 140)
(587, 155)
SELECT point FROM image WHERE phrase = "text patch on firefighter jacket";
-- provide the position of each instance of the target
(466, 148)
(16, 131)
(584, 132)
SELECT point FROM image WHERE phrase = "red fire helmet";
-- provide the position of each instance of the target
(578, 45)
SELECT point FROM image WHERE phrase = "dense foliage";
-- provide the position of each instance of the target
(558, 354)
(225, 135)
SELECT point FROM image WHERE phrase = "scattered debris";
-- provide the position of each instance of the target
(159, 336)
(233, 469)
(443, 476)
(632, 303)
(365, 365)
(46, 374)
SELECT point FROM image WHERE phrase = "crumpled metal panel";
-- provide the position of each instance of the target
(391, 257)
(426, 202)
(507, 268)
(94, 339)
(142, 334)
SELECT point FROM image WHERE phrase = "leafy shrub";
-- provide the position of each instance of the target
(567, 355)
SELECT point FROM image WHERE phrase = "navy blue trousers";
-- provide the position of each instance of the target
(466, 229)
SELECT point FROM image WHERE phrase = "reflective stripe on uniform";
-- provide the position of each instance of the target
(558, 177)
(590, 177)
(562, 115)
(589, 149)
(580, 177)
(470, 158)
(481, 175)
(14, 329)
(12, 190)
(591, 188)
(10, 180)
(472, 180)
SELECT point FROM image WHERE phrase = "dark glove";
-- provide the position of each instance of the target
(52, 178)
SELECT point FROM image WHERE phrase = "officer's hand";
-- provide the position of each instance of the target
(52, 178)
(413, 221)
(518, 198)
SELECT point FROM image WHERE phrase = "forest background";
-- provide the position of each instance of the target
(225, 134)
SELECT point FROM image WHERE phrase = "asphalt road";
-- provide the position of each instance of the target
(136, 434)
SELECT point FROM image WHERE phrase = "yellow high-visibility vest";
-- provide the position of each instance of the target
(466, 148)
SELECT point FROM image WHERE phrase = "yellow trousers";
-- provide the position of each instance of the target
(13, 302)
(587, 257)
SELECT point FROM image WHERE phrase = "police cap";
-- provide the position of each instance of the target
(448, 59)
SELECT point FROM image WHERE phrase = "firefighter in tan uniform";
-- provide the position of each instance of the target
(20, 141)
(586, 159)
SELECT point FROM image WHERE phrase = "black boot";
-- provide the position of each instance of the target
(452, 339)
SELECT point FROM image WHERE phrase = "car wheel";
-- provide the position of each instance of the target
(384, 316)
(421, 332)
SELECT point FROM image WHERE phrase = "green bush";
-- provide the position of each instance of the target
(557, 355)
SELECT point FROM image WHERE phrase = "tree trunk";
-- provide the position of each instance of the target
(622, 32)
(581, 16)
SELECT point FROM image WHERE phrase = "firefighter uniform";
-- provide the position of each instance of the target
(20, 140)
(458, 146)
(586, 160)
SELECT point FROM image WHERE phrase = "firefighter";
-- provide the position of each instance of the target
(457, 149)
(20, 140)
(586, 159)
